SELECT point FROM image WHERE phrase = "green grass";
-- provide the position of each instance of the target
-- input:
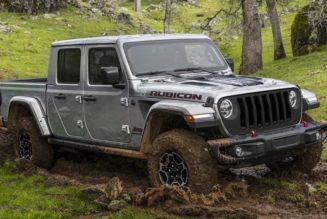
(281, 184)
(324, 153)
(322, 186)
(29, 197)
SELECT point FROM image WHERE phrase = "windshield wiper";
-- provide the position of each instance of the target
(159, 73)
(195, 69)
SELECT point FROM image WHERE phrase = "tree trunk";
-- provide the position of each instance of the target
(252, 42)
(137, 5)
(279, 51)
(168, 11)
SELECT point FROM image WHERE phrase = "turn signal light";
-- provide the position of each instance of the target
(189, 118)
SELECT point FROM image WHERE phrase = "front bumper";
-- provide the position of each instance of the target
(247, 150)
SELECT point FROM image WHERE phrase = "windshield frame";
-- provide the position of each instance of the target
(128, 45)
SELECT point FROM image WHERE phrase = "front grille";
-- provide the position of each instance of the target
(263, 111)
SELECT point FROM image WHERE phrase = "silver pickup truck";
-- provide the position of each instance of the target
(170, 99)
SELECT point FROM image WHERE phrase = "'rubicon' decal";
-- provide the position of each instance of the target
(176, 95)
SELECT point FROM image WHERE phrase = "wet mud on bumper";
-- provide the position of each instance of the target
(247, 150)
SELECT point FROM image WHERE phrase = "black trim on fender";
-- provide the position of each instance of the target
(307, 106)
(204, 124)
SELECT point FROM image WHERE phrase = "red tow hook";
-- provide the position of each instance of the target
(253, 134)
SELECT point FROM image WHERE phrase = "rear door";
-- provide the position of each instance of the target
(64, 93)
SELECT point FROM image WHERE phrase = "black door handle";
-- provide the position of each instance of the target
(60, 96)
(89, 98)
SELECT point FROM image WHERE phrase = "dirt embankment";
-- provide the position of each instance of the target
(115, 182)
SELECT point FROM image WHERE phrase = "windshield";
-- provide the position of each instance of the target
(171, 55)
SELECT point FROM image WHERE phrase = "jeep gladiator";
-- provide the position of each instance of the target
(172, 100)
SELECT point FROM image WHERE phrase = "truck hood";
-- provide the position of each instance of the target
(199, 88)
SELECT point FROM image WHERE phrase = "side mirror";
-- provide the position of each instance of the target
(110, 75)
(230, 62)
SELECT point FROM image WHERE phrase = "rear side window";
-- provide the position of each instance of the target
(69, 66)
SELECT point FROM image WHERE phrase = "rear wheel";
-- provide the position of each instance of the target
(182, 158)
(302, 163)
(30, 145)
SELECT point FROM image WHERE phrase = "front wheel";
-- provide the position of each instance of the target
(30, 145)
(182, 158)
(304, 162)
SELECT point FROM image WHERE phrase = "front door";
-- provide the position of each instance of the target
(105, 111)
(64, 93)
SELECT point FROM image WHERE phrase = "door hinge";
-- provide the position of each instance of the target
(78, 99)
(124, 101)
(80, 124)
(125, 129)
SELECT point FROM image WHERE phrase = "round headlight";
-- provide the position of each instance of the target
(292, 97)
(226, 108)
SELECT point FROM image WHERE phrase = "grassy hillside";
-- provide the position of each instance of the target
(24, 49)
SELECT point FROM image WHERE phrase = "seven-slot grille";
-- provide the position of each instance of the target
(263, 111)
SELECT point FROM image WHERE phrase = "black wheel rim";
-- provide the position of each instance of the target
(25, 146)
(173, 169)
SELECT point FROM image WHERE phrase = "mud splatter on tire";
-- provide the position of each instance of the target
(42, 151)
(202, 168)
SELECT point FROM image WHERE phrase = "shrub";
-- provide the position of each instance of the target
(309, 29)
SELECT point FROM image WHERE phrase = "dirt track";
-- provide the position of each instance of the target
(247, 193)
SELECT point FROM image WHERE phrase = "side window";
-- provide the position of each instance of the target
(69, 66)
(99, 58)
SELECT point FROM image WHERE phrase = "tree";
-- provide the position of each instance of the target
(252, 42)
(279, 51)
(137, 5)
(168, 11)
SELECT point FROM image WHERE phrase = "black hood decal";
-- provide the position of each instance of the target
(239, 81)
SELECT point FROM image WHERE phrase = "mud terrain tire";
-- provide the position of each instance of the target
(202, 167)
(26, 131)
(301, 163)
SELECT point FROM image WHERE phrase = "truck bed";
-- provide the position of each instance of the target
(35, 87)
